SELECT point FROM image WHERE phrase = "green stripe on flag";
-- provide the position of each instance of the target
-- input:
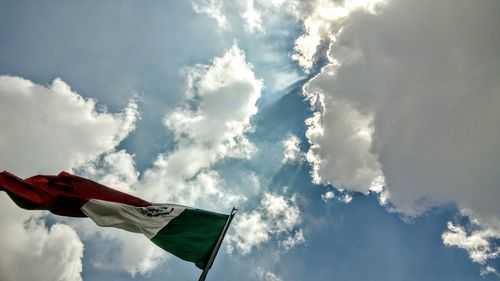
(192, 235)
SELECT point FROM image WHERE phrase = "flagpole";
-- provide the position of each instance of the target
(217, 245)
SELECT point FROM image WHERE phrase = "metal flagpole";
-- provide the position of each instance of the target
(217, 245)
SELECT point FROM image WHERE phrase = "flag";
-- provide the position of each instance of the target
(188, 233)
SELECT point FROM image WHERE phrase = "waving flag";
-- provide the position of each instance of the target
(190, 234)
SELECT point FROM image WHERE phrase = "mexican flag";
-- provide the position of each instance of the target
(188, 233)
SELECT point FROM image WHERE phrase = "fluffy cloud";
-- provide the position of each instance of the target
(322, 20)
(414, 91)
(114, 168)
(432, 95)
(293, 240)
(340, 153)
(489, 270)
(119, 251)
(211, 8)
(251, 16)
(327, 196)
(253, 12)
(292, 151)
(478, 242)
(275, 216)
(266, 275)
(31, 251)
(220, 100)
(46, 130)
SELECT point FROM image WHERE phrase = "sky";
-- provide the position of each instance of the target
(359, 139)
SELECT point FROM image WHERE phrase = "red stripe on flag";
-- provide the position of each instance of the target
(63, 194)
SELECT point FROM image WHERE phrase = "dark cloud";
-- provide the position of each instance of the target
(427, 72)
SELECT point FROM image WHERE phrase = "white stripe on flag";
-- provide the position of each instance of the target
(147, 220)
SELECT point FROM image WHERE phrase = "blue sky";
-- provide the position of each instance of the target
(359, 139)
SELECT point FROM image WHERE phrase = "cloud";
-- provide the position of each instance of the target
(340, 153)
(46, 130)
(489, 270)
(253, 14)
(118, 250)
(478, 243)
(292, 151)
(276, 216)
(266, 275)
(212, 8)
(293, 240)
(114, 168)
(411, 95)
(49, 129)
(432, 100)
(220, 99)
(327, 196)
(322, 20)
(31, 251)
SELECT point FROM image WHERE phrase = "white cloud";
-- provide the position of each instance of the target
(342, 196)
(292, 151)
(489, 270)
(322, 20)
(293, 240)
(46, 130)
(262, 274)
(119, 250)
(31, 251)
(426, 101)
(220, 100)
(269, 276)
(340, 140)
(327, 196)
(477, 242)
(428, 95)
(212, 8)
(346, 198)
(275, 216)
(414, 92)
(253, 15)
(252, 18)
(114, 168)
(251, 230)
(49, 129)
